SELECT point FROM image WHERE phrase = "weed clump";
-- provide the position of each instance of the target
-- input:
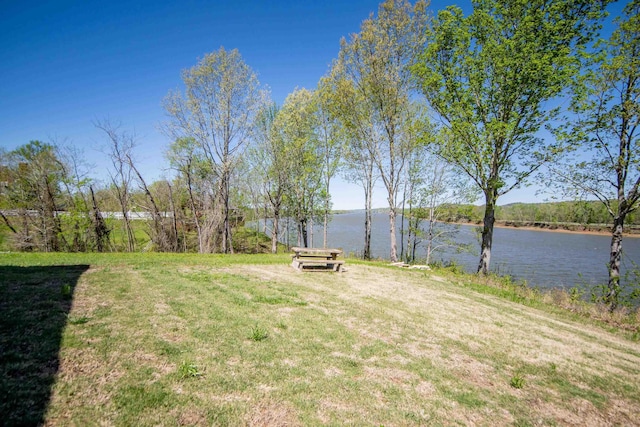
(517, 381)
(188, 370)
(66, 291)
(258, 334)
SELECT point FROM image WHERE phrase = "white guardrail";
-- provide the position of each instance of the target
(113, 215)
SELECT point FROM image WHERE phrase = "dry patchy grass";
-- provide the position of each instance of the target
(372, 346)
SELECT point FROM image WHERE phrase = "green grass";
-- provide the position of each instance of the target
(168, 339)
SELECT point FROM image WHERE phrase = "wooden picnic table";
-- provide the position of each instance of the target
(316, 259)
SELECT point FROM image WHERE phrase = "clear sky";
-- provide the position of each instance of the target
(66, 64)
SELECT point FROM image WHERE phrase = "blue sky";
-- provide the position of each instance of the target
(65, 64)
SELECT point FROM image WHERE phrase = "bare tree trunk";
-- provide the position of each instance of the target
(368, 196)
(225, 226)
(487, 233)
(160, 236)
(393, 255)
(99, 227)
(25, 242)
(274, 233)
(324, 227)
(302, 234)
(175, 239)
(402, 234)
(228, 241)
(615, 255)
(123, 199)
(127, 225)
(430, 234)
(327, 207)
(288, 232)
(264, 229)
(6, 221)
(51, 221)
(195, 213)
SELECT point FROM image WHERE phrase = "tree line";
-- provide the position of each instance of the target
(578, 212)
(436, 108)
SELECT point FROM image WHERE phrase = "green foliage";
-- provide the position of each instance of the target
(570, 214)
(211, 123)
(490, 75)
(373, 95)
(576, 294)
(629, 296)
(603, 131)
(298, 174)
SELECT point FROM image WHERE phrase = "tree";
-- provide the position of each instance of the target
(121, 145)
(100, 229)
(184, 156)
(490, 76)
(605, 130)
(269, 157)
(77, 219)
(437, 185)
(358, 165)
(376, 63)
(296, 124)
(331, 144)
(217, 109)
(35, 175)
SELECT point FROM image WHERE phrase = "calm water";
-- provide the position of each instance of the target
(541, 258)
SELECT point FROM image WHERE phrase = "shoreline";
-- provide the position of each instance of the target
(557, 229)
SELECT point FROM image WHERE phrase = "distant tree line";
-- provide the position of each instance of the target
(436, 110)
(583, 212)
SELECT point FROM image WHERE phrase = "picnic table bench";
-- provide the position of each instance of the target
(316, 259)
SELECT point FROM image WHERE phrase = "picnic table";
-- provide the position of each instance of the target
(315, 259)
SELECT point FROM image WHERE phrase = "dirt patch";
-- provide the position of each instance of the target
(270, 413)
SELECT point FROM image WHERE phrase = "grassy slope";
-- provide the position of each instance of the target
(152, 339)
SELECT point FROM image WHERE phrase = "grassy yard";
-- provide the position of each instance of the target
(153, 339)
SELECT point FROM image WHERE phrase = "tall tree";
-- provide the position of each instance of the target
(36, 176)
(358, 165)
(269, 158)
(296, 123)
(330, 143)
(490, 77)
(217, 109)
(121, 144)
(376, 62)
(77, 218)
(185, 157)
(434, 186)
(605, 129)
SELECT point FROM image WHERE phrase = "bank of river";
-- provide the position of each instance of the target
(630, 231)
(543, 259)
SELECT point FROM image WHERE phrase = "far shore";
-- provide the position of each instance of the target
(559, 228)
(573, 228)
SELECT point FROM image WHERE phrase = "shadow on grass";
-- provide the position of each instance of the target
(34, 306)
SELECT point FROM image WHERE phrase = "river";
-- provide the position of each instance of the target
(543, 259)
